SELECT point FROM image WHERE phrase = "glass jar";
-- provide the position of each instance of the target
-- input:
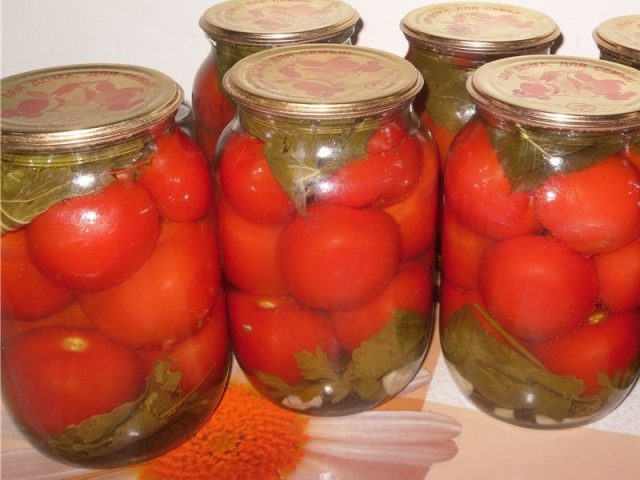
(114, 340)
(619, 40)
(326, 193)
(448, 41)
(237, 29)
(540, 307)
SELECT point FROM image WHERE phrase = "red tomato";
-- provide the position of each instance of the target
(594, 210)
(536, 287)
(267, 331)
(71, 316)
(441, 135)
(202, 359)
(247, 181)
(606, 347)
(249, 252)
(27, 294)
(211, 109)
(165, 300)
(477, 189)
(619, 274)
(452, 298)
(416, 215)
(95, 241)
(178, 178)
(378, 178)
(389, 135)
(410, 289)
(462, 251)
(54, 377)
(338, 257)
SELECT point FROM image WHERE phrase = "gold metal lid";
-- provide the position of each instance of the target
(621, 36)
(560, 92)
(278, 22)
(479, 28)
(322, 81)
(83, 105)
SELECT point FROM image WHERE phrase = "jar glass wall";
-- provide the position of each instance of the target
(326, 194)
(114, 339)
(236, 30)
(540, 305)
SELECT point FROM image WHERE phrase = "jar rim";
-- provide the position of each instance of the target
(282, 22)
(322, 81)
(82, 105)
(479, 29)
(560, 92)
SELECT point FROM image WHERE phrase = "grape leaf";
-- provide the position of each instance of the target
(529, 156)
(447, 100)
(299, 154)
(32, 184)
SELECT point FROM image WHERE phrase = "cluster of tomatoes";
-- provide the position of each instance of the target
(99, 287)
(558, 266)
(330, 277)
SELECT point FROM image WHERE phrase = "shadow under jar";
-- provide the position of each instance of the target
(114, 340)
(237, 29)
(540, 307)
(448, 41)
(326, 192)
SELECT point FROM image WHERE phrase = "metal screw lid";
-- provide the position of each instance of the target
(322, 81)
(620, 37)
(84, 105)
(478, 28)
(278, 22)
(561, 92)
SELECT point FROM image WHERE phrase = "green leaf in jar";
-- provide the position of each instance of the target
(402, 341)
(27, 192)
(447, 99)
(32, 184)
(528, 157)
(503, 376)
(300, 155)
(110, 432)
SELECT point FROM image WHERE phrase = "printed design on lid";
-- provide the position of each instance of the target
(556, 83)
(324, 78)
(80, 98)
(280, 16)
(561, 85)
(482, 22)
(101, 93)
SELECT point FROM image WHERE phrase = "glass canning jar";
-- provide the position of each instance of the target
(238, 28)
(448, 41)
(326, 193)
(114, 340)
(619, 40)
(540, 307)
